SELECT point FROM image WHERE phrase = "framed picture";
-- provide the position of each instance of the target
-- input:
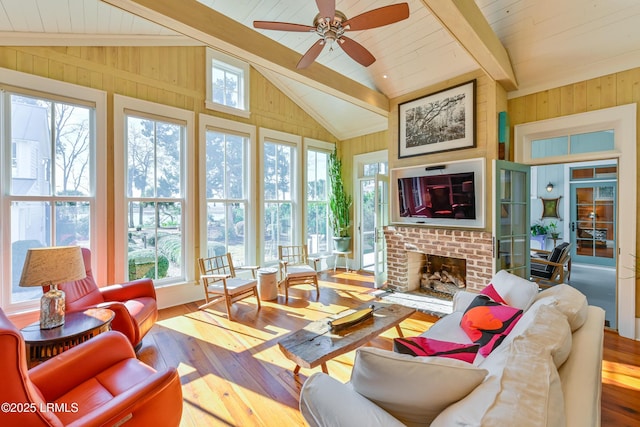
(442, 121)
(550, 208)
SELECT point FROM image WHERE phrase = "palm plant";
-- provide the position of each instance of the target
(339, 201)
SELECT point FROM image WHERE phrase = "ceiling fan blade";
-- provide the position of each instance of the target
(282, 26)
(378, 17)
(311, 54)
(356, 51)
(327, 8)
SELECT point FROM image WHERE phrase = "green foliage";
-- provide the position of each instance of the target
(171, 247)
(539, 229)
(142, 263)
(339, 201)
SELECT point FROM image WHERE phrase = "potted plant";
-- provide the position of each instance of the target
(553, 229)
(539, 229)
(339, 205)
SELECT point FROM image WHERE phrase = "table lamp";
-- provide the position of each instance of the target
(50, 267)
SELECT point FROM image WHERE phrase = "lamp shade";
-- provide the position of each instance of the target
(51, 266)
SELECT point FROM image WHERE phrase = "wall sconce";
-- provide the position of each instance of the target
(549, 187)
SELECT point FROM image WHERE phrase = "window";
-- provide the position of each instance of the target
(317, 195)
(226, 175)
(281, 211)
(49, 174)
(154, 212)
(227, 84)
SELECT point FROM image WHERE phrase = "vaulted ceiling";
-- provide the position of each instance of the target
(527, 45)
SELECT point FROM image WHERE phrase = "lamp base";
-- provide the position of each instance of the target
(52, 308)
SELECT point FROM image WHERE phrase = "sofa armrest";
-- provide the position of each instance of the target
(325, 401)
(67, 370)
(581, 374)
(139, 288)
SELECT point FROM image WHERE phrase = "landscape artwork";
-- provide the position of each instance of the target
(442, 121)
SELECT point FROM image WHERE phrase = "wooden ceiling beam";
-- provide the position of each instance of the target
(466, 23)
(212, 28)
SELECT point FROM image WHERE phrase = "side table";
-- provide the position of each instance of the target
(344, 254)
(80, 326)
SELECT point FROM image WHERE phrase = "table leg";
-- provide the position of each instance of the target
(296, 370)
(399, 331)
(324, 368)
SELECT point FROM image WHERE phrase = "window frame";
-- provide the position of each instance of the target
(295, 141)
(123, 106)
(206, 123)
(243, 91)
(35, 86)
(310, 144)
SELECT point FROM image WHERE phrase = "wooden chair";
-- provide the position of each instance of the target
(295, 268)
(548, 267)
(220, 282)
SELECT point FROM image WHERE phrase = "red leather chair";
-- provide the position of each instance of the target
(98, 383)
(134, 303)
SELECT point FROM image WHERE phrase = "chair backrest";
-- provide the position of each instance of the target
(220, 264)
(16, 385)
(560, 255)
(293, 254)
(83, 293)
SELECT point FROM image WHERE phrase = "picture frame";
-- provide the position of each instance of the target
(441, 121)
(550, 208)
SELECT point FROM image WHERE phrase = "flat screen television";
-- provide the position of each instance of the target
(447, 194)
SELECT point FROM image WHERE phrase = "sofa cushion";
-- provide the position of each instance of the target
(569, 301)
(423, 346)
(530, 393)
(514, 290)
(487, 322)
(412, 389)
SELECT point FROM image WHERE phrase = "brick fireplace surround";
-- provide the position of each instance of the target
(473, 246)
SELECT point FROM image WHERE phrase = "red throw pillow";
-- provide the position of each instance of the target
(423, 346)
(491, 292)
(487, 322)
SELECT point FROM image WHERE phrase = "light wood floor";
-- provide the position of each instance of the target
(233, 373)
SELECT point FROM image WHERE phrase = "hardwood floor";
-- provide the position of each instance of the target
(233, 373)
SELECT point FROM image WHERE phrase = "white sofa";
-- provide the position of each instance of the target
(546, 372)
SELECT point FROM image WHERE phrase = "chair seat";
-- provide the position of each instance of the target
(234, 285)
(300, 270)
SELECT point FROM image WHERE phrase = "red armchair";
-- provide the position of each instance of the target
(134, 303)
(98, 383)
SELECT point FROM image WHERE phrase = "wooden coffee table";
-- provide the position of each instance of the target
(316, 343)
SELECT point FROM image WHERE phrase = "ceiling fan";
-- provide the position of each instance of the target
(330, 24)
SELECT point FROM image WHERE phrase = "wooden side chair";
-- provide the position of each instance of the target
(219, 279)
(295, 268)
(548, 267)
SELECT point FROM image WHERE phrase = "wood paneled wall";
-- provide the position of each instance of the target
(603, 92)
(173, 76)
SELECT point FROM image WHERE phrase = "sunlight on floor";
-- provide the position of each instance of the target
(621, 375)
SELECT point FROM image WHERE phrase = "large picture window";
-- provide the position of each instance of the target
(49, 176)
(317, 196)
(281, 208)
(153, 214)
(226, 194)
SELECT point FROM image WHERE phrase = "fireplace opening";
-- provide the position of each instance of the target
(443, 274)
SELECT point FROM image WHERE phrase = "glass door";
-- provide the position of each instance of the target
(593, 225)
(367, 223)
(381, 220)
(511, 217)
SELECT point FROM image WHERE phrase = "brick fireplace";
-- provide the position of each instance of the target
(407, 246)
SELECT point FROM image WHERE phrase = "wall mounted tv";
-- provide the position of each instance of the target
(443, 194)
